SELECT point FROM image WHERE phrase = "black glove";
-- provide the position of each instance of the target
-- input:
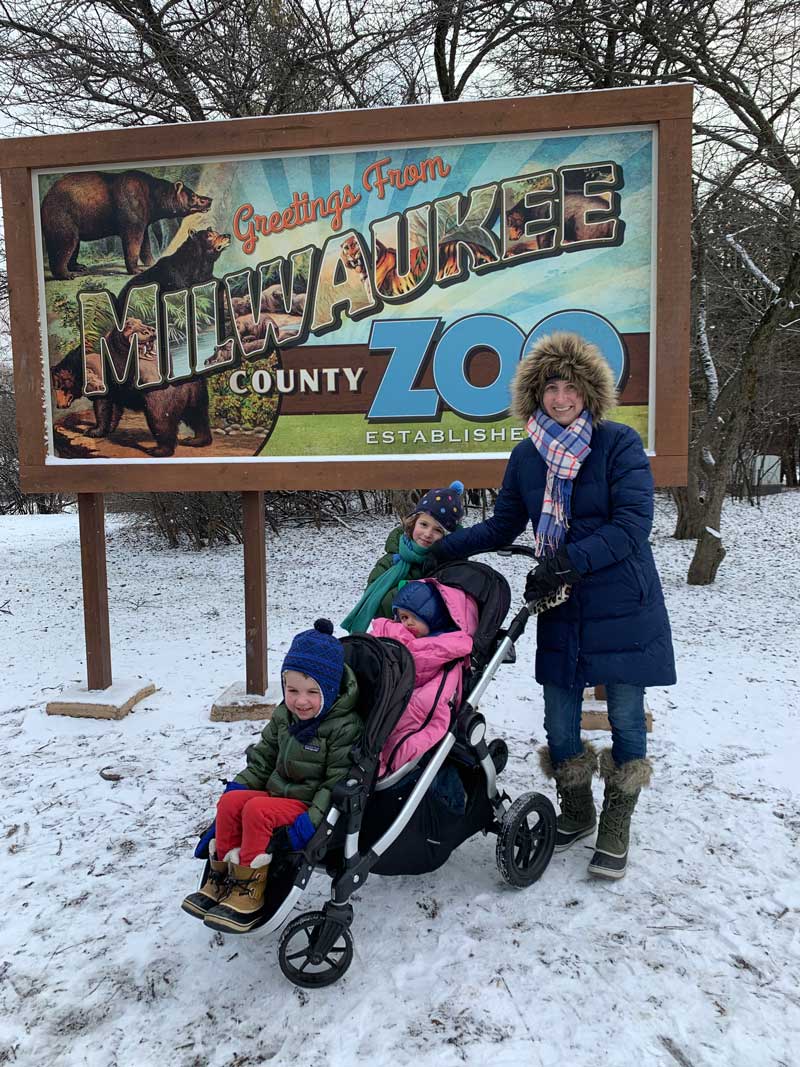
(279, 842)
(549, 574)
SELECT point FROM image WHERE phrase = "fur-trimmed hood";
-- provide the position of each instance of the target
(567, 356)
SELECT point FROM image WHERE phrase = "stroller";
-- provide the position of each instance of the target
(398, 825)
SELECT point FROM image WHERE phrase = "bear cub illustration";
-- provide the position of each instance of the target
(164, 406)
(91, 204)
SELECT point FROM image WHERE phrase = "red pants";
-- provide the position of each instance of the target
(246, 819)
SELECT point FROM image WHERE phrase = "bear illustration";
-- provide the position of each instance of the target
(192, 263)
(164, 406)
(89, 205)
(167, 405)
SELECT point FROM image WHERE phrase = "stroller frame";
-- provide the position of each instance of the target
(523, 852)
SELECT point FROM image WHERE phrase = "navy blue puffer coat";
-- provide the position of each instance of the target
(614, 627)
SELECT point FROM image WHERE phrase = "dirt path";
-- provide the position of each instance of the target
(133, 440)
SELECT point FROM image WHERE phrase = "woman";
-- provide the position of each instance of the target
(586, 486)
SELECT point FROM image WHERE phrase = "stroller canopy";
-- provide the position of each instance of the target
(385, 673)
(491, 593)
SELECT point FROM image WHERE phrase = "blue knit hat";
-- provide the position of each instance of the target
(444, 505)
(318, 654)
(425, 601)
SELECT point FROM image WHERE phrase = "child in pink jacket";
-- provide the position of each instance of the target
(436, 624)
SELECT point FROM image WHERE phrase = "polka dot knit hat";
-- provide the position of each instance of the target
(444, 505)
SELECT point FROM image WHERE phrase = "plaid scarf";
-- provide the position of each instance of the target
(563, 449)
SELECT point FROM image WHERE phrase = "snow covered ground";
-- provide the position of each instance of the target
(691, 960)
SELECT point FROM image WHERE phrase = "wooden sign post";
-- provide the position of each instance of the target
(250, 703)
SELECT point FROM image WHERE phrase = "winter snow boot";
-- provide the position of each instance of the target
(241, 909)
(623, 785)
(573, 779)
(212, 891)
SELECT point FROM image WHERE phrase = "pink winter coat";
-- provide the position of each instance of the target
(426, 719)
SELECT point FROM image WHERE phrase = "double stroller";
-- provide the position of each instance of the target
(402, 824)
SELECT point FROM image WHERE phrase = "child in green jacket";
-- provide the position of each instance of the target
(437, 514)
(303, 752)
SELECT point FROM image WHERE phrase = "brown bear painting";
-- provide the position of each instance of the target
(192, 263)
(91, 205)
(165, 406)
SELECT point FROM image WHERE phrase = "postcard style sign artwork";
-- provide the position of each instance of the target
(376, 301)
(363, 303)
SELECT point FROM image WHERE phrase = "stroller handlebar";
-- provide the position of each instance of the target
(533, 607)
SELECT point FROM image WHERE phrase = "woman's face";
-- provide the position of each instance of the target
(562, 401)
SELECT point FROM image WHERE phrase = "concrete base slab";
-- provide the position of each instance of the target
(235, 705)
(594, 714)
(112, 703)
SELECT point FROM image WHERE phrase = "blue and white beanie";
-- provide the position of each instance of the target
(444, 505)
(318, 654)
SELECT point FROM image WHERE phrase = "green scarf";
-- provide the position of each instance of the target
(365, 610)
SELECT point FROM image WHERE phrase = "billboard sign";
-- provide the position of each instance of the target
(361, 305)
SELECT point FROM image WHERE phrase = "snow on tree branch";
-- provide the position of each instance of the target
(706, 358)
(745, 258)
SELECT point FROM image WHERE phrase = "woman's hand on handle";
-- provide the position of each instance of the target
(549, 574)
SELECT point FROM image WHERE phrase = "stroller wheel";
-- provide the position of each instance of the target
(314, 950)
(526, 840)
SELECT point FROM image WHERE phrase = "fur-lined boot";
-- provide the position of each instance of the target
(573, 778)
(623, 785)
(213, 890)
(242, 908)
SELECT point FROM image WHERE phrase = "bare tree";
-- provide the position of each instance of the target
(69, 64)
(744, 60)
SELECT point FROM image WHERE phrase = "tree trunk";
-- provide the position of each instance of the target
(690, 519)
(708, 555)
(709, 551)
(789, 467)
(721, 436)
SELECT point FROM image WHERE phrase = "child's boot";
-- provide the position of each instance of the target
(573, 779)
(624, 782)
(242, 907)
(212, 891)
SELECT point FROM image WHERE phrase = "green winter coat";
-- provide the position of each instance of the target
(285, 767)
(416, 571)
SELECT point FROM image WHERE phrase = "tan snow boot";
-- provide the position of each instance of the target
(211, 892)
(242, 908)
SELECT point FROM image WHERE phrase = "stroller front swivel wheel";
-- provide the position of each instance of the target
(311, 954)
(526, 840)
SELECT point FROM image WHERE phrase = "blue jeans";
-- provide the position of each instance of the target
(562, 721)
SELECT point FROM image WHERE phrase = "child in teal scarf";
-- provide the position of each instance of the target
(437, 514)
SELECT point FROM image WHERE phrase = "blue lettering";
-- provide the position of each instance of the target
(452, 352)
(408, 341)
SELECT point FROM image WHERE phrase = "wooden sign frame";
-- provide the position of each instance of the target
(668, 108)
